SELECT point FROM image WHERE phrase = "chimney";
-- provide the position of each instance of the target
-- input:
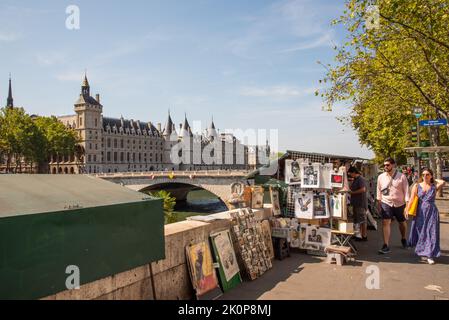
(159, 127)
(97, 97)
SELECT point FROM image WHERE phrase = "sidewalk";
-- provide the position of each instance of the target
(402, 275)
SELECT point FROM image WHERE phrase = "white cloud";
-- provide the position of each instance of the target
(276, 91)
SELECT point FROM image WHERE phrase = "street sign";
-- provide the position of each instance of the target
(431, 123)
(418, 112)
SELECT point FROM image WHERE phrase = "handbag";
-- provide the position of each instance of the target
(413, 207)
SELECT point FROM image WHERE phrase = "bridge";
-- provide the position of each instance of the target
(179, 183)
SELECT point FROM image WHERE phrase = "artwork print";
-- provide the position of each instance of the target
(336, 205)
(292, 172)
(304, 205)
(336, 180)
(201, 268)
(325, 176)
(317, 237)
(257, 197)
(226, 253)
(320, 206)
(276, 209)
(310, 175)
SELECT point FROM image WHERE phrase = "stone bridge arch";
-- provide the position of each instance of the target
(219, 186)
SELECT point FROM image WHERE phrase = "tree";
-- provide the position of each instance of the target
(386, 69)
(169, 205)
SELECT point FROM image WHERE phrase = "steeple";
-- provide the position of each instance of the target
(212, 132)
(10, 100)
(85, 88)
(168, 126)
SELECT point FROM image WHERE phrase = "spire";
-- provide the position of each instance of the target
(10, 100)
(85, 88)
(169, 125)
(212, 132)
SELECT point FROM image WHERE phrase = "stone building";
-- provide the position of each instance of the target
(110, 145)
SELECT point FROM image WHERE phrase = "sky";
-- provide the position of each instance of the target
(248, 64)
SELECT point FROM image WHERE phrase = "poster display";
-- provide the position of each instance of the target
(304, 205)
(201, 268)
(257, 197)
(292, 172)
(336, 180)
(275, 206)
(317, 238)
(310, 174)
(336, 205)
(325, 175)
(321, 206)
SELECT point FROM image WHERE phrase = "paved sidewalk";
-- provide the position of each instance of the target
(402, 275)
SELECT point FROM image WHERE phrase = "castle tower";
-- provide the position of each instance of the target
(89, 125)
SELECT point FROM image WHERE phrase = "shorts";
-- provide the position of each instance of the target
(393, 212)
(359, 214)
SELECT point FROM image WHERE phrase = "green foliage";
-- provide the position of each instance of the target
(169, 205)
(382, 73)
(32, 140)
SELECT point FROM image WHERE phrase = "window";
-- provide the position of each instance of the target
(140, 157)
(96, 122)
(81, 121)
(95, 158)
(96, 146)
(115, 143)
(88, 158)
(121, 143)
(108, 156)
(121, 156)
(115, 156)
(127, 157)
(109, 142)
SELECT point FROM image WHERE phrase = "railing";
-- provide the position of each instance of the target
(174, 174)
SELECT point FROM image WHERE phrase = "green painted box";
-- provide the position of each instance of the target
(49, 222)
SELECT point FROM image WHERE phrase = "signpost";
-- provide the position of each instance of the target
(433, 123)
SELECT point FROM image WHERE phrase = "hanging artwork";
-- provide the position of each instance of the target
(336, 205)
(275, 207)
(201, 268)
(317, 238)
(310, 174)
(292, 172)
(325, 176)
(344, 172)
(304, 205)
(257, 197)
(320, 206)
(336, 180)
(295, 240)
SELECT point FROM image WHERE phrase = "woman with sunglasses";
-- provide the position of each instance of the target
(425, 230)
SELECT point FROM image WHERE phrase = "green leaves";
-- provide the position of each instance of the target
(33, 140)
(169, 205)
(383, 72)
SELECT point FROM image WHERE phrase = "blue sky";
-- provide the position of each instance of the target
(247, 63)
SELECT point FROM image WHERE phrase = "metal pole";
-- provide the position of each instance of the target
(419, 144)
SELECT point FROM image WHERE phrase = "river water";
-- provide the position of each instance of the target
(199, 202)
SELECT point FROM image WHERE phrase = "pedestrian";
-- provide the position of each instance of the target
(425, 229)
(359, 201)
(392, 195)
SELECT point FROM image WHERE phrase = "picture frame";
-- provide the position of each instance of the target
(321, 206)
(292, 172)
(304, 205)
(317, 237)
(276, 208)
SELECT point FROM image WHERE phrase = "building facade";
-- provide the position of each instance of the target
(109, 145)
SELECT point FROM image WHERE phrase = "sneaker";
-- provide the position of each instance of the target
(385, 249)
(404, 243)
(430, 261)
